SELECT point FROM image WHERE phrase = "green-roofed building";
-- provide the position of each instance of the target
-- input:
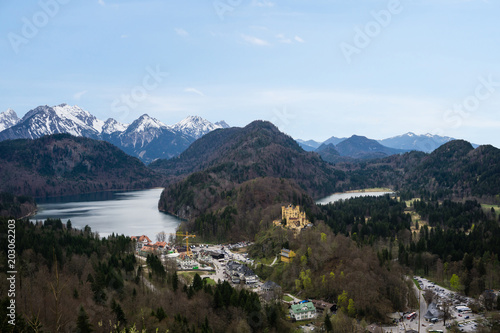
(303, 311)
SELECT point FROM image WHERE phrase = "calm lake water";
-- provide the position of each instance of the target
(129, 213)
(344, 196)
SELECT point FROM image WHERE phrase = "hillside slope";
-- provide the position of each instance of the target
(458, 170)
(455, 170)
(62, 164)
(257, 150)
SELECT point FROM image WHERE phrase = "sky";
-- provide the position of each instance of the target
(315, 68)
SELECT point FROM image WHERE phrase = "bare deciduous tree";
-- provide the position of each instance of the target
(161, 236)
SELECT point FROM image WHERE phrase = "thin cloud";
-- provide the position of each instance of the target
(263, 3)
(195, 91)
(124, 36)
(283, 39)
(255, 41)
(298, 39)
(181, 32)
(79, 95)
(101, 2)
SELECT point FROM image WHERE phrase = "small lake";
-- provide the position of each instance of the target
(130, 213)
(348, 195)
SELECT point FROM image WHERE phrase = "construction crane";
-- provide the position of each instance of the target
(186, 237)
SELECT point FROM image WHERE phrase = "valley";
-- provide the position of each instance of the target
(426, 214)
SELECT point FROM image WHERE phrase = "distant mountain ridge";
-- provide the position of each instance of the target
(363, 148)
(146, 138)
(355, 147)
(411, 141)
(359, 147)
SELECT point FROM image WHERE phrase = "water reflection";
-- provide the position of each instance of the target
(129, 213)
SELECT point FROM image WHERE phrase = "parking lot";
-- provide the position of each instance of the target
(466, 320)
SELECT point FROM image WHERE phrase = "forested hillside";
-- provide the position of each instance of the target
(62, 165)
(455, 171)
(247, 174)
(336, 269)
(257, 150)
(220, 210)
(83, 284)
(433, 238)
(16, 206)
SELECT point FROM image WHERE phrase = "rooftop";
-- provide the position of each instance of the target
(304, 307)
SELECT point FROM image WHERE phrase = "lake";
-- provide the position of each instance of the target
(130, 213)
(348, 195)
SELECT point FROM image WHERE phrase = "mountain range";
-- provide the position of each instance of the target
(149, 139)
(146, 138)
(407, 142)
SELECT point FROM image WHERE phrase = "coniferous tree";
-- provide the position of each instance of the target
(197, 282)
(328, 324)
(82, 323)
(175, 281)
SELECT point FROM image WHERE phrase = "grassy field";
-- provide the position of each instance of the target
(287, 298)
(487, 208)
(189, 275)
(210, 282)
(375, 189)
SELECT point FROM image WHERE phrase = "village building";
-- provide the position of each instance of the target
(292, 218)
(287, 255)
(161, 246)
(146, 250)
(322, 306)
(271, 291)
(186, 263)
(240, 273)
(140, 241)
(302, 311)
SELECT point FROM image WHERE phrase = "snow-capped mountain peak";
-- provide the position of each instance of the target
(111, 126)
(411, 141)
(196, 126)
(222, 124)
(146, 137)
(78, 115)
(145, 123)
(8, 119)
(46, 120)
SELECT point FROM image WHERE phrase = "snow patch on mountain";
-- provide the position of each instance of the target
(8, 119)
(111, 126)
(196, 126)
(79, 116)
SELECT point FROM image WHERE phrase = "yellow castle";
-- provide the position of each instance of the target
(292, 218)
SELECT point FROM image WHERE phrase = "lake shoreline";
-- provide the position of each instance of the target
(130, 213)
(353, 194)
(369, 190)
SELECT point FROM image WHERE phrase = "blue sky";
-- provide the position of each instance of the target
(315, 68)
